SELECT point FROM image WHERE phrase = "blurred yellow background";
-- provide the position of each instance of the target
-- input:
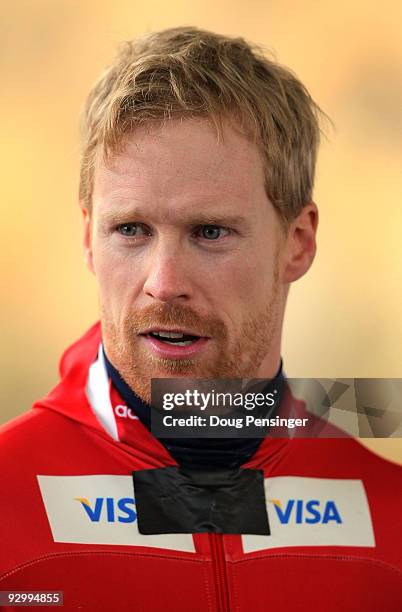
(344, 318)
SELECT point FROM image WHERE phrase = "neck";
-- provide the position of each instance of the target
(198, 453)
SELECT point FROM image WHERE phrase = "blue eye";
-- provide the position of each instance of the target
(212, 232)
(131, 230)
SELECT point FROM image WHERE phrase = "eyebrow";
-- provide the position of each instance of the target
(122, 215)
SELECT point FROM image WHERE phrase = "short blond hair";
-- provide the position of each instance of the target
(187, 72)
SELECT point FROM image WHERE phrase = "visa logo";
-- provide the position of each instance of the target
(110, 509)
(312, 511)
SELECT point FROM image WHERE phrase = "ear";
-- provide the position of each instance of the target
(87, 242)
(301, 243)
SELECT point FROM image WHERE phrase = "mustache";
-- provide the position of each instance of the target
(176, 316)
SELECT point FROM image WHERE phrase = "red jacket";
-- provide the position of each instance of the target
(68, 520)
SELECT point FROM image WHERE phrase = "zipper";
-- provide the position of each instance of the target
(220, 573)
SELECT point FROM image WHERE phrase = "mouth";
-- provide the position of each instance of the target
(174, 343)
(177, 338)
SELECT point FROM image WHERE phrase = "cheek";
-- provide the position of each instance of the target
(248, 278)
(117, 279)
(240, 289)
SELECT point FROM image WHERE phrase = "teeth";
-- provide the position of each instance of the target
(185, 343)
(166, 334)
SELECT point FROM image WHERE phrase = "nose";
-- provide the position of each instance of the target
(168, 275)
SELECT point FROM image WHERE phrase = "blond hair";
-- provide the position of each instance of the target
(187, 72)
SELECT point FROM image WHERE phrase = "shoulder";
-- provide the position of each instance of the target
(347, 458)
(36, 440)
(344, 454)
(29, 429)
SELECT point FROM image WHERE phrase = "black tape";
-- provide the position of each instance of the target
(183, 500)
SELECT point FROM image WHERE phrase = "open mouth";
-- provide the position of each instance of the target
(174, 343)
(174, 338)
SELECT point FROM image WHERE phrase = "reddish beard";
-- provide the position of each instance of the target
(222, 359)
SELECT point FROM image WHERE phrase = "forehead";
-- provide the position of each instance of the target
(181, 163)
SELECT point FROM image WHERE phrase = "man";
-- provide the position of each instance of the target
(196, 191)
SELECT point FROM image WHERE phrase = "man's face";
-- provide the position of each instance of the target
(183, 240)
